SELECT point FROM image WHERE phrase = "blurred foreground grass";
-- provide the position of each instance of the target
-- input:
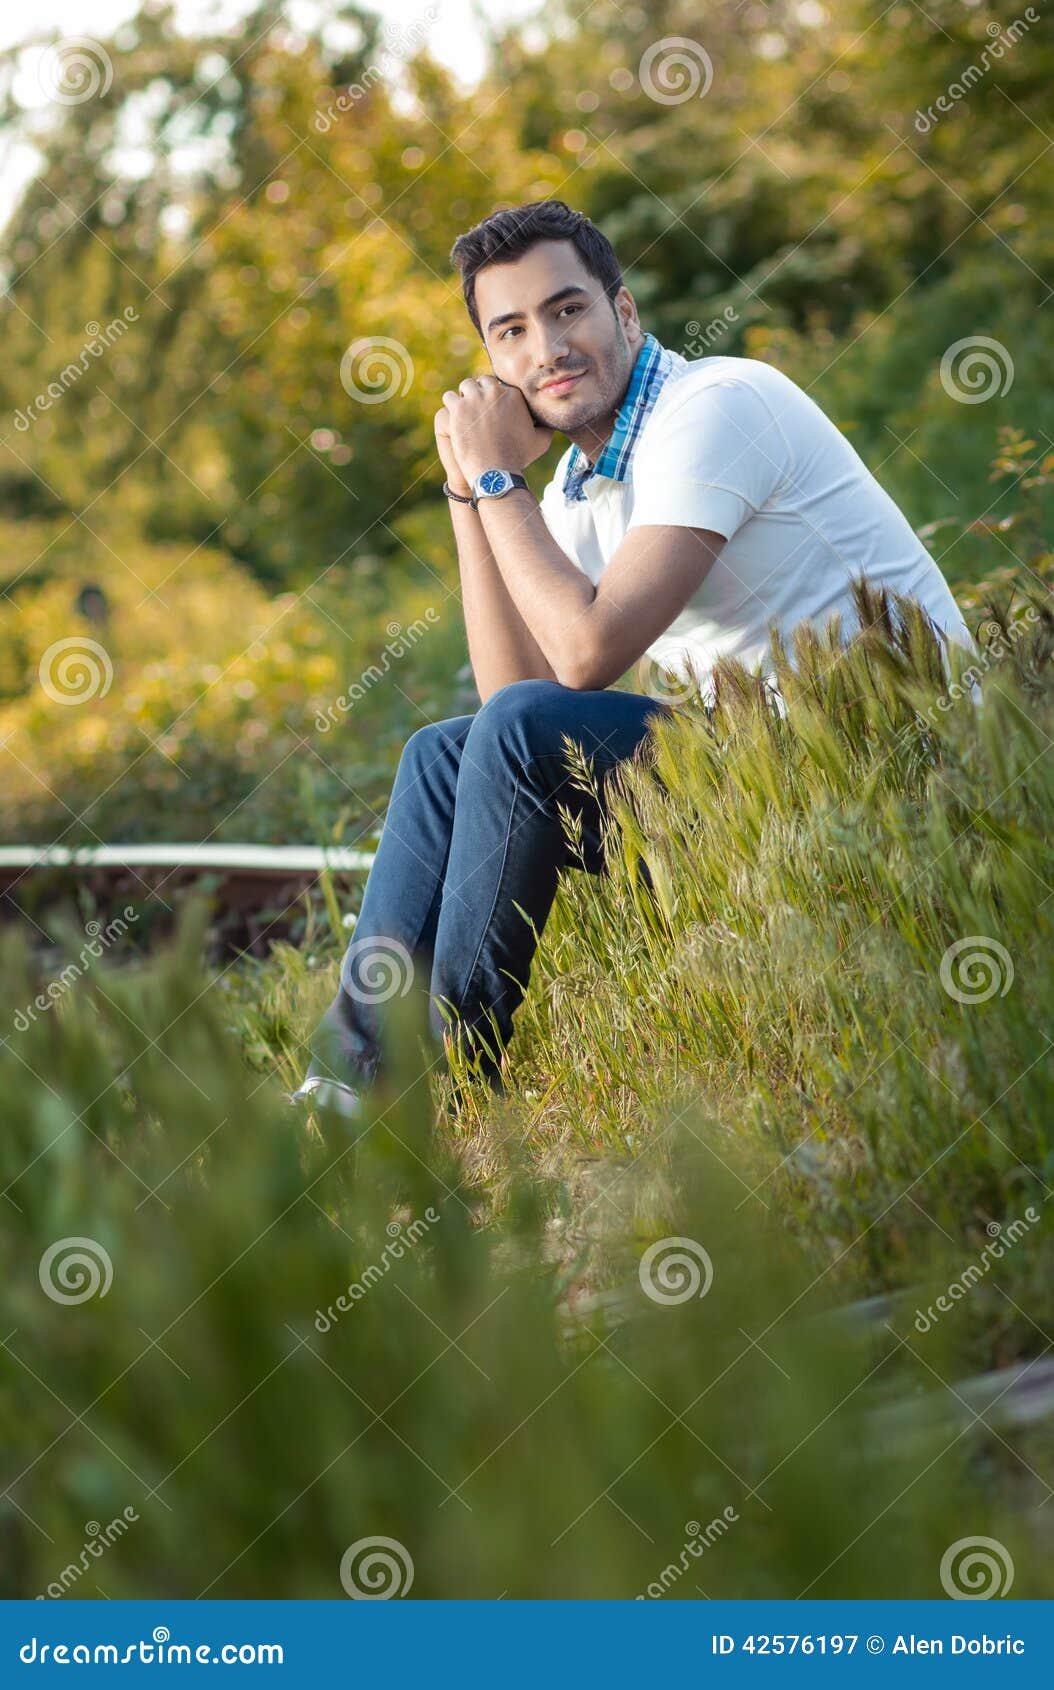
(196, 1376)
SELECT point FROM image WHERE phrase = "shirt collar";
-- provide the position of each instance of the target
(653, 366)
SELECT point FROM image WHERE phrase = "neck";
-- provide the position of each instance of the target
(592, 437)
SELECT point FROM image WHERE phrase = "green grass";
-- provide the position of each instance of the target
(516, 1435)
(756, 1054)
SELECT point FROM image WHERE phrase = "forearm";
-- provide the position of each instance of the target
(501, 646)
(553, 597)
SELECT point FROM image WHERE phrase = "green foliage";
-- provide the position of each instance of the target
(516, 1437)
(209, 710)
(812, 881)
(756, 1049)
(259, 228)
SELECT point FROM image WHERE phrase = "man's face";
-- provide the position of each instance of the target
(542, 338)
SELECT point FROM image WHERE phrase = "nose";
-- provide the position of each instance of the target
(548, 348)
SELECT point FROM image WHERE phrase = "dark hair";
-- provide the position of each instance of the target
(507, 235)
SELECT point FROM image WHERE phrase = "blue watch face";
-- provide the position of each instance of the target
(494, 481)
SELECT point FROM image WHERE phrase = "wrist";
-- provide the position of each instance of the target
(474, 471)
(492, 484)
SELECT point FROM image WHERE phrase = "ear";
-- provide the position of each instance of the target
(626, 307)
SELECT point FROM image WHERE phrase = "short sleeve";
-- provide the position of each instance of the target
(708, 460)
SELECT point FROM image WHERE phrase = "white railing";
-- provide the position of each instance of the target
(259, 859)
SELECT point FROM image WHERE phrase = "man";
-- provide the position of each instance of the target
(698, 504)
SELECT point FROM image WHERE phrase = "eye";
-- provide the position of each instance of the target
(562, 309)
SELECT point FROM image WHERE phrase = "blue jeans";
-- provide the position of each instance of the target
(472, 830)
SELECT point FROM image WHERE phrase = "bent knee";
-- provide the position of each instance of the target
(517, 699)
(432, 736)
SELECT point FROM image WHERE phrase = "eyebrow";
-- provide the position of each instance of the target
(553, 299)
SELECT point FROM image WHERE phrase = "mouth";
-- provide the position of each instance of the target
(564, 385)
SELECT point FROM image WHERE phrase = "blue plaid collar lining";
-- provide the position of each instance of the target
(654, 364)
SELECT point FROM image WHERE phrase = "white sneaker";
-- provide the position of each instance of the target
(327, 1094)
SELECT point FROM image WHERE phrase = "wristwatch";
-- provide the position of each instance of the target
(494, 484)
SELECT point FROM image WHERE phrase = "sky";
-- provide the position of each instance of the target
(452, 33)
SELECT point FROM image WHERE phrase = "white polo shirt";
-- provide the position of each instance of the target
(734, 446)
